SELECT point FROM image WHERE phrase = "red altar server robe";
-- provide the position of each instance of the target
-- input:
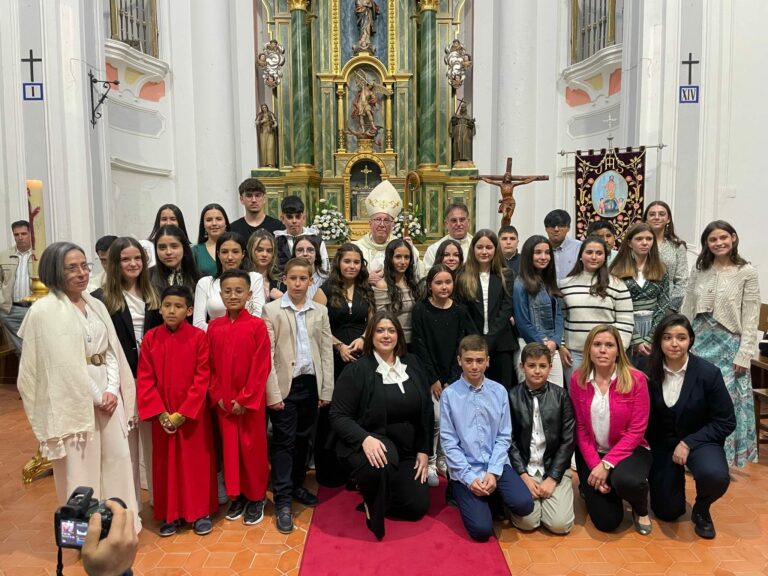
(173, 376)
(241, 359)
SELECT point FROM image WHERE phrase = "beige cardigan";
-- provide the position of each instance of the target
(53, 378)
(732, 296)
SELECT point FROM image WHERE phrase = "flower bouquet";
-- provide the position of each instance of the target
(330, 223)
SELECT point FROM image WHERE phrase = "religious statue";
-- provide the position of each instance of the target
(366, 12)
(272, 60)
(266, 125)
(462, 130)
(458, 61)
(507, 184)
(365, 104)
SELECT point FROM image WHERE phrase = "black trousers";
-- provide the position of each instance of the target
(502, 368)
(291, 428)
(392, 490)
(709, 468)
(628, 481)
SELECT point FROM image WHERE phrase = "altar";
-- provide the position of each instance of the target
(362, 91)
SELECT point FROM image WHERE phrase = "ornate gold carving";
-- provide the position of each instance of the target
(335, 37)
(425, 5)
(36, 468)
(298, 5)
(392, 31)
(347, 187)
(341, 135)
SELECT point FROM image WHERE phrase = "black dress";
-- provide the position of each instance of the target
(347, 323)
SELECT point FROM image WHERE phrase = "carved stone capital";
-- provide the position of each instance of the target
(432, 5)
(298, 5)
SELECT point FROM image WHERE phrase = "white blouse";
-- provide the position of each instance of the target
(485, 280)
(137, 309)
(209, 305)
(392, 374)
(673, 384)
(600, 410)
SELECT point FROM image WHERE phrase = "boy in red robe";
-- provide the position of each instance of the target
(240, 363)
(172, 386)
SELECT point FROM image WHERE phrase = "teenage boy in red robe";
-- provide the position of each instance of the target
(240, 363)
(172, 387)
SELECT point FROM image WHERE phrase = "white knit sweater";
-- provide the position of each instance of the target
(732, 296)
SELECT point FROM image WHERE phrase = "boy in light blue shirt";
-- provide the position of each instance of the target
(475, 433)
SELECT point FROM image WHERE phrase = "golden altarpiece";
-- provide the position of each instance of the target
(359, 93)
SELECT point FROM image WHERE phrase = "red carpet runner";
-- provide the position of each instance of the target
(339, 543)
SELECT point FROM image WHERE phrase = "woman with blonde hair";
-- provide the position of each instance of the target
(262, 258)
(639, 265)
(610, 406)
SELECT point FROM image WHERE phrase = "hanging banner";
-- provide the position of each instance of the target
(609, 186)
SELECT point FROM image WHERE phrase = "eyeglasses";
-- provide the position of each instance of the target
(74, 269)
(457, 220)
(305, 251)
(382, 221)
(252, 195)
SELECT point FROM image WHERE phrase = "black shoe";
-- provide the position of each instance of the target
(304, 496)
(203, 526)
(169, 529)
(702, 522)
(237, 508)
(284, 520)
(254, 512)
(377, 532)
(360, 507)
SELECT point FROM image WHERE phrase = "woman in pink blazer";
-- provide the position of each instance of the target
(610, 406)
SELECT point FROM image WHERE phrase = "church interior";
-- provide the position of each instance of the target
(111, 108)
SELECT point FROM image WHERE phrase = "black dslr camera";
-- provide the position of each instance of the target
(71, 520)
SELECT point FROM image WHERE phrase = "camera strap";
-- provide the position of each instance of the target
(59, 564)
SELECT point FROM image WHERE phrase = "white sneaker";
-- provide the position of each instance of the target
(432, 479)
(222, 495)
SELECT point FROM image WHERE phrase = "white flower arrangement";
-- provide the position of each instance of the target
(330, 223)
(415, 227)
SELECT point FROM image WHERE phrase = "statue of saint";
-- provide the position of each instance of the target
(365, 103)
(266, 124)
(462, 130)
(366, 12)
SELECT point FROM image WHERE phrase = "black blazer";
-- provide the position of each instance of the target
(124, 328)
(502, 336)
(556, 419)
(359, 407)
(703, 414)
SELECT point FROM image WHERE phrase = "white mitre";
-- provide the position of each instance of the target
(384, 198)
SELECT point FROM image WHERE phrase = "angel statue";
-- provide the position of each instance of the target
(365, 103)
(458, 61)
(366, 12)
(272, 60)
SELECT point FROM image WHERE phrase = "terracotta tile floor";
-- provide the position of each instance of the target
(27, 543)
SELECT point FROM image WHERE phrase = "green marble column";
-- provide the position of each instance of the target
(427, 83)
(301, 85)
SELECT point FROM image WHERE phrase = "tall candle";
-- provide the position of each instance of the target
(36, 221)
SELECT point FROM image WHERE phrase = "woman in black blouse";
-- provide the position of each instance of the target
(349, 299)
(382, 415)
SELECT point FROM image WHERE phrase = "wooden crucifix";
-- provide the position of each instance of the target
(507, 184)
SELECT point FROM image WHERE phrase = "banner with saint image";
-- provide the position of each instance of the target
(609, 186)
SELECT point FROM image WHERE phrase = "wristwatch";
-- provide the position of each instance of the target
(606, 465)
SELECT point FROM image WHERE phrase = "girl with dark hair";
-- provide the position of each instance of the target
(722, 300)
(450, 253)
(536, 299)
(307, 246)
(439, 324)
(262, 259)
(168, 215)
(213, 223)
(382, 415)
(175, 263)
(592, 296)
(672, 249)
(691, 416)
(610, 407)
(484, 286)
(639, 265)
(230, 255)
(398, 290)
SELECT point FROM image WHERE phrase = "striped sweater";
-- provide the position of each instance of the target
(652, 296)
(583, 311)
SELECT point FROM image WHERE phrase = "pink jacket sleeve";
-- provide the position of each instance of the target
(629, 419)
(585, 437)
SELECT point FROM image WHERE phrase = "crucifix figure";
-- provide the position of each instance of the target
(507, 184)
(366, 171)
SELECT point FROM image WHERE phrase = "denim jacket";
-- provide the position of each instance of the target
(539, 316)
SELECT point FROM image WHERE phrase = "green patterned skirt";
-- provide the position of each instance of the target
(719, 346)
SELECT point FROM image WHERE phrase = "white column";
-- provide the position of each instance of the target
(242, 41)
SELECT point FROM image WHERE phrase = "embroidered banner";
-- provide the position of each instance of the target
(609, 186)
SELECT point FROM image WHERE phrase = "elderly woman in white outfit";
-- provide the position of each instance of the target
(76, 385)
